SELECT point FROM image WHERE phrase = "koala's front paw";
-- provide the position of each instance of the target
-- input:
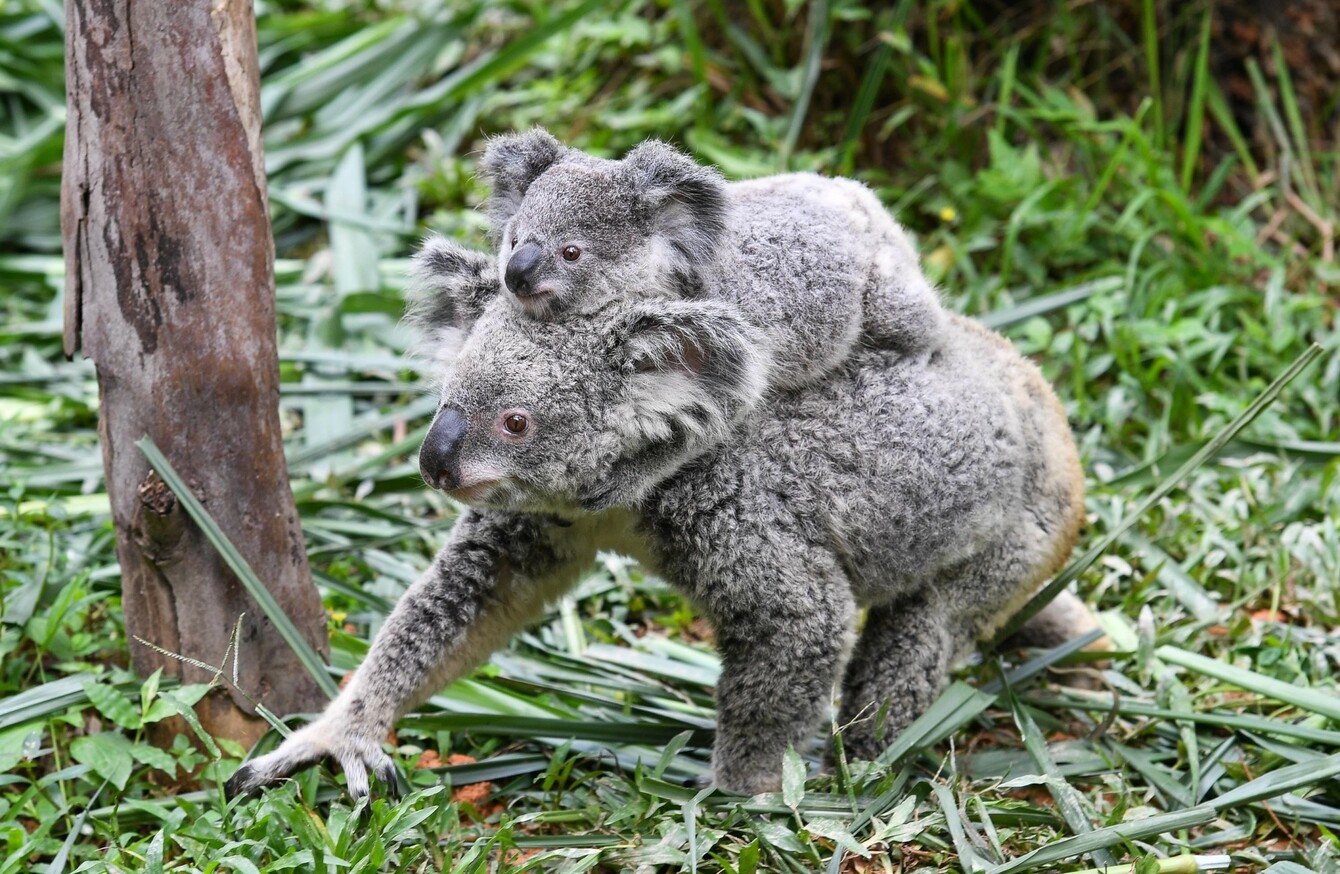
(356, 754)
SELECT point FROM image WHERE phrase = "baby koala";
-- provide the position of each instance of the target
(937, 490)
(817, 264)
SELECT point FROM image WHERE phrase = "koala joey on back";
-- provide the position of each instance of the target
(816, 264)
(938, 490)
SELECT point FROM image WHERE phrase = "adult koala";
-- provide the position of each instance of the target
(816, 264)
(937, 489)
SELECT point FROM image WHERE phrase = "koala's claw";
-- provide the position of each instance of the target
(356, 766)
(290, 758)
(356, 756)
(701, 781)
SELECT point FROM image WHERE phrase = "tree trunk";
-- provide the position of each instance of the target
(170, 290)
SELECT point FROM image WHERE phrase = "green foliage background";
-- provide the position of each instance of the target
(1078, 177)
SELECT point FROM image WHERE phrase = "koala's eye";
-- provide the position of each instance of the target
(516, 424)
(571, 253)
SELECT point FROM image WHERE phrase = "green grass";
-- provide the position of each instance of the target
(1164, 259)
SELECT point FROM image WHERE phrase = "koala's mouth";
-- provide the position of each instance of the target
(475, 493)
(540, 301)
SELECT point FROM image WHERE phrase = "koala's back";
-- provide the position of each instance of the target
(914, 470)
(821, 262)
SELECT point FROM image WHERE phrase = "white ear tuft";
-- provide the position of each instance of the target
(698, 367)
(450, 286)
(687, 201)
(510, 164)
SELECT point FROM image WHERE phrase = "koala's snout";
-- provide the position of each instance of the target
(439, 460)
(520, 273)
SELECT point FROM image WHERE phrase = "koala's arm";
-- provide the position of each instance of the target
(901, 309)
(491, 579)
(783, 614)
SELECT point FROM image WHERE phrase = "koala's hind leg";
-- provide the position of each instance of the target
(900, 664)
(783, 630)
(1065, 618)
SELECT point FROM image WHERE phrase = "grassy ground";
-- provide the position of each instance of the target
(1164, 258)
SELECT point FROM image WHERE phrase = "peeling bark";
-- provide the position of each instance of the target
(170, 290)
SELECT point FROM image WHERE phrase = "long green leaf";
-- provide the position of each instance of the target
(1077, 567)
(259, 593)
(1102, 838)
(1312, 700)
(816, 36)
(49, 699)
(1262, 788)
(1067, 799)
(1036, 306)
(1278, 782)
(536, 727)
(1236, 721)
(1195, 114)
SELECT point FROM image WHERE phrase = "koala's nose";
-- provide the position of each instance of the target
(438, 457)
(520, 268)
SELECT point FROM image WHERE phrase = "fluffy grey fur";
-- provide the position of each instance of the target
(816, 264)
(938, 488)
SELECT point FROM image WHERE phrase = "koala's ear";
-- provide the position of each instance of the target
(511, 162)
(696, 362)
(687, 200)
(450, 286)
(693, 368)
